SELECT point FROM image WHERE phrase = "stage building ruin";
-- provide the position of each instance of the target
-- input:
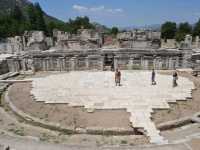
(91, 50)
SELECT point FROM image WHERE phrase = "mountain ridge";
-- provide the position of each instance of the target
(6, 6)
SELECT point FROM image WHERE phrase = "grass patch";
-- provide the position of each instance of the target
(45, 137)
(19, 132)
(132, 144)
(46, 116)
(124, 142)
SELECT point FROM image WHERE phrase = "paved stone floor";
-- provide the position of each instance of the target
(97, 90)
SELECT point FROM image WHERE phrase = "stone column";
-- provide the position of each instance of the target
(167, 63)
(197, 42)
(73, 63)
(144, 63)
(177, 63)
(24, 64)
(87, 59)
(47, 64)
(24, 42)
(116, 63)
(187, 54)
(57, 67)
(63, 64)
(17, 65)
(59, 64)
(67, 64)
(10, 62)
(44, 67)
(33, 66)
(154, 63)
(160, 64)
(101, 63)
(39, 66)
(130, 63)
(50, 61)
(171, 64)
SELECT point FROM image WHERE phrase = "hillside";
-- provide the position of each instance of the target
(7, 5)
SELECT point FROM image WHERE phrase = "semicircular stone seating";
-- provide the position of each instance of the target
(97, 90)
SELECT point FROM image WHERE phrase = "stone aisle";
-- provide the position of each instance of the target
(97, 90)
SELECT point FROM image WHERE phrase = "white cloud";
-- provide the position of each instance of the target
(81, 8)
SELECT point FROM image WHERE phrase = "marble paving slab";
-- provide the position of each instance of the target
(97, 90)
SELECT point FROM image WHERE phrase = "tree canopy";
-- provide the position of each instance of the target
(183, 29)
(168, 30)
(16, 22)
(79, 23)
(196, 30)
(114, 31)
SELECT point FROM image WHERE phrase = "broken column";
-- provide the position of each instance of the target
(73, 63)
(130, 63)
(116, 63)
(197, 42)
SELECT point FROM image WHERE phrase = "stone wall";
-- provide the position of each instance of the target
(12, 45)
(124, 59)
(3, 67)
(169, 43)
(147, 63)
(143, 39)
(85, 39)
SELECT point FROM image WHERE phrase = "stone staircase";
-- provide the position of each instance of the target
(142, 119)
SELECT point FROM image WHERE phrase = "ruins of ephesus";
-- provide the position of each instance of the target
(88, 49)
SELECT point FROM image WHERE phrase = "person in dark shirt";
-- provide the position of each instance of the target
(153, 76)
(118, 77)
(7, 148)
(175, 78)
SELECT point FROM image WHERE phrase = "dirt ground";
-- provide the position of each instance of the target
(79, 117)
(13, 127)
(181, 108)
(65, 115)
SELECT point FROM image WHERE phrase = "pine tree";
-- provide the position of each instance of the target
(17, 14)
(40, 22)
(32, 18)
(168, 30)
(196, 31)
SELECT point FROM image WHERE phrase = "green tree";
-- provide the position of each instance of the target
(50, 26)
(183, 29)
(3, 26)
(17, 14)
(32, 18)
(168, 30)
(78, 23)
(114, 31)
(196, 30)
(40, 22)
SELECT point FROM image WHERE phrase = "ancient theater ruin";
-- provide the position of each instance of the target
(79, 71)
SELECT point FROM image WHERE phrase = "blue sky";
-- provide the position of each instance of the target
(124, 13)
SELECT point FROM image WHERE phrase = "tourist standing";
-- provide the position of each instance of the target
(117, 77)
(7, 148)
(153, 76)
(175, 78)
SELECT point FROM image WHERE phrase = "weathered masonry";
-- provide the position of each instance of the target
(125, 59)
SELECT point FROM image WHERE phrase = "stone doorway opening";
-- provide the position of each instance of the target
(109, 62)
